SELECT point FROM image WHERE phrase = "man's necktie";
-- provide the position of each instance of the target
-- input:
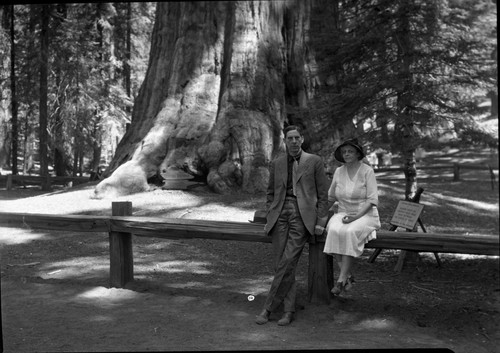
(294, 176)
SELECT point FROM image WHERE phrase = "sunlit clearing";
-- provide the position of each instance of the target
(11, 236)
(194, 285)
(103, 293)
(183, 266)
(477, 205)
(391, 189)
(163, 200)
(256, 286)
(76, 267)
(100, 318)
(230, 214)
(473, 257)
(256, 336)
(82, 201)
(377, 324)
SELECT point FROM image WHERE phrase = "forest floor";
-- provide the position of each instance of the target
(191, 295)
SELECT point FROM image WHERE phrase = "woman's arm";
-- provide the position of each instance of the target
(363, 210)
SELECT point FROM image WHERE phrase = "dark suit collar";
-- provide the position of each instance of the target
(297, 158)
(303, 165)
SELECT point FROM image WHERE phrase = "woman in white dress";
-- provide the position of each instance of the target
(354, 187)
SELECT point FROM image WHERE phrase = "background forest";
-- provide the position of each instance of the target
(80, 81)
(70, 72)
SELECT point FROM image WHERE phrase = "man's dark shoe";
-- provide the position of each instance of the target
(286, 319)
(263, 317)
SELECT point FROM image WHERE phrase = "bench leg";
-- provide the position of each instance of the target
(406, 255)
(374, 255)
(437, 259)
(401, 261)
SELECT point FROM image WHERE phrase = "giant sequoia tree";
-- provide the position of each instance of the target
(214, 100)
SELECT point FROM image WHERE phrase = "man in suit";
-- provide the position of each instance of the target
(297, 206)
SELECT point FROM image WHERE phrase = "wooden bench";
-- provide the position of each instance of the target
(121, 226)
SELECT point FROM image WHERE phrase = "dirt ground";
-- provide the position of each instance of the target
(191, 295)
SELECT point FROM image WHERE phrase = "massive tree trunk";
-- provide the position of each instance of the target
(213, 102)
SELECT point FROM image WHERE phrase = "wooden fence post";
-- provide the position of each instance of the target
(320, 275)
(9, 182)
(492, 177)
(121, 270)
(46, 183)
(456, 172)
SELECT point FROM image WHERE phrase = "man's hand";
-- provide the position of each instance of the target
(318, 230)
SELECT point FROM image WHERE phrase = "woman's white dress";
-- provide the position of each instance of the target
(351, 194)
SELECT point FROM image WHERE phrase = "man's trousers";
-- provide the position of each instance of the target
(289, 235)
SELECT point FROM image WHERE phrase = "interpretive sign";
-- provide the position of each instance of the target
(406, 214)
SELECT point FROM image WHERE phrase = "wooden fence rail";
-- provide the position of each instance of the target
(456, 167)
(45, 181)
(320, 273)
(174, 228)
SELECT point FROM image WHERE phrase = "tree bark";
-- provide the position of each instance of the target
(5, 94)
(44, 51)
(128, 55)
(58, 138)
(29, 148)
(13, 93)
(96, 145)
(404, 129)
(213, 102)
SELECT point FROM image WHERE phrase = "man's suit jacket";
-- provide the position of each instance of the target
(311, 188)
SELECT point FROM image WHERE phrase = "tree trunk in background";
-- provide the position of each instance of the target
(384, 131)
(44, 51)
(15, 127)
(494, 103)
(5, 141)
(213, 101)
(128, 55)
(105, 14)
(404, 129)
(29, 148)
(58, 138)
(301, 76)
(96, 146)
(78, 145)
(61, 163)
(76, 154)
(5, 94)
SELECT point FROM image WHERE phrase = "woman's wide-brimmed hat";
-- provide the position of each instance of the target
(351, 142)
